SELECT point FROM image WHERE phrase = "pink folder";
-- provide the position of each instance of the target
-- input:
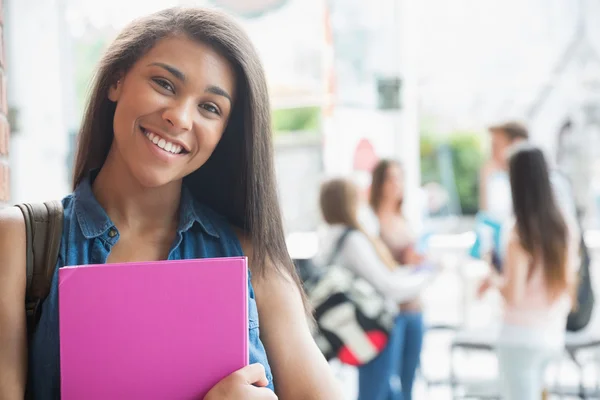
(152, 330)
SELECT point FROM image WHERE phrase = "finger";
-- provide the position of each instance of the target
(255, 374)
(261, 393)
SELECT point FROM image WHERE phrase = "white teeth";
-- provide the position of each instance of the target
(163, 144)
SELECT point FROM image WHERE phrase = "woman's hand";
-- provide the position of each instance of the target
(412, 257)
(300, 370)
(242, 384)
(484, 286)
(433, 263)
(491, 281)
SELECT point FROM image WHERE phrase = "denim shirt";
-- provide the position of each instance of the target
(88, 237)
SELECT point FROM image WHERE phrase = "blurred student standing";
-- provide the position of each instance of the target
(368, 257)
(495, 191)
(538, 278)
(387, 195)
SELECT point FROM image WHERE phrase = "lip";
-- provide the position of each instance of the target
(158, 152)
(166, 137)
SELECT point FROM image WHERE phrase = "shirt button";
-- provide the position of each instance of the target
(112, 232)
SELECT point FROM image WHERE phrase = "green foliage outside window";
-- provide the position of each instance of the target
(305, 119)
(467, 156)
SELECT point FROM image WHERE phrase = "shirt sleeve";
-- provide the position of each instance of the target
(400, 284)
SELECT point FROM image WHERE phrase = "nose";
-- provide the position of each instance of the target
(179, 115)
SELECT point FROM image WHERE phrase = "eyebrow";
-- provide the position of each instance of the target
(218, 91)
(181, 76)
(172, 70)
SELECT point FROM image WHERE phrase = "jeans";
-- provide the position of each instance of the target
(521, 371)
(391, 375)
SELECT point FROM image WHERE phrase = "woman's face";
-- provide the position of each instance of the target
(500, 145)
(393, 186)
(172, 108)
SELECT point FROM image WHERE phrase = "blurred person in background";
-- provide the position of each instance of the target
(494, 186)
(386, 199)
(495, 191)
(538, 278)
(368, 257)
(366, 217)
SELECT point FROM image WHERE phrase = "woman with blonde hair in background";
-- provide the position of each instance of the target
(369, 258)
(538, 278)
(386, 198)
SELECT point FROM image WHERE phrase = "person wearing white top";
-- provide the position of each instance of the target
(538, 278)
(359, 254)
(370, 259)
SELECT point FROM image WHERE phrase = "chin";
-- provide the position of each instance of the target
(151, 179)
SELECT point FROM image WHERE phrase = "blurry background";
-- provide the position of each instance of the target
(351, 81)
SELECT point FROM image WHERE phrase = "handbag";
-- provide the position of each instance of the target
(582, 313)
(353, 320)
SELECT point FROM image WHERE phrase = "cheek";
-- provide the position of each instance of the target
(497, 151)
(211, 139)
(388, 188)
(124, 119)
(207, 141)
(118, 124)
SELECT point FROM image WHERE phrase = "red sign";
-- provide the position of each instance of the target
(365, 158)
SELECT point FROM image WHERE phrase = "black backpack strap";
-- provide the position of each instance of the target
(314, 274)
(43, 227)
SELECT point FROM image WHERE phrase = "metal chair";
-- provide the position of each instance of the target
(473, 340)
(485, 340)
(574, 346)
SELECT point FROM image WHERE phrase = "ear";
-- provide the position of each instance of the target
(114, 92)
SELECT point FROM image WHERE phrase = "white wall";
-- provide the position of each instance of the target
(391, 50)
(39, 138)
(299, 168)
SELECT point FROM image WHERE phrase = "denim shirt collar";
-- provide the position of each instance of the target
(94, 221)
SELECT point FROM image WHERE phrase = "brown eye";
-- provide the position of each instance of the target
(210, 108)
(165, 84)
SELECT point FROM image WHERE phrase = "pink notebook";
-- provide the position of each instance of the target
(153, 330)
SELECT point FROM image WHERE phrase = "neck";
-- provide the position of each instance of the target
(500, 164)
(132, 206)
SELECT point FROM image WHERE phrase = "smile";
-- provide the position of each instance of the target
(163, 144)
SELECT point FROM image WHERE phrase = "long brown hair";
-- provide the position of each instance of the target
(379, 177)
(339, 205)
(541, 228)
(238, 180)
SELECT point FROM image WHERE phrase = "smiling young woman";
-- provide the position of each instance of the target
(174, 161)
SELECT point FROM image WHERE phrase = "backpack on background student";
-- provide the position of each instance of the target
(353, 321)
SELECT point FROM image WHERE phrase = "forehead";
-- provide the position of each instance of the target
(199, 62)
(499, 135)
(393, 171)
